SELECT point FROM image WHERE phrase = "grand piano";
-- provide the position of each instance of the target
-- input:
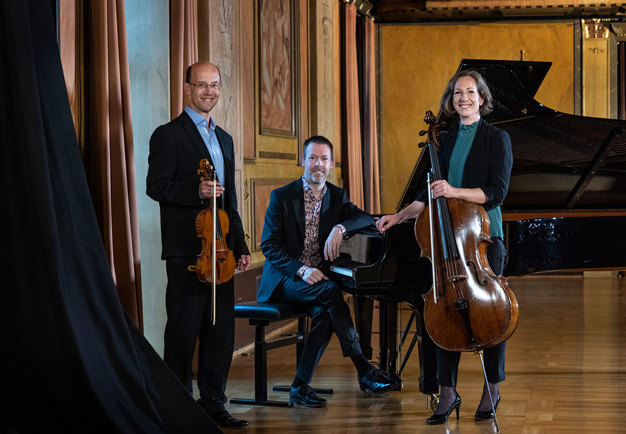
(565, 209)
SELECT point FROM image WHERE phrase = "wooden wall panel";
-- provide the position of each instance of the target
(277, 26)
(247, 79)
(228, 34)
(417, 61)
(223, 41)
(260, 191)
(596, 83)
(323, 89)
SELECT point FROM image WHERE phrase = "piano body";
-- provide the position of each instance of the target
(565, 209)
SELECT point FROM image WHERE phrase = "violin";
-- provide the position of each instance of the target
(216, 262)
(468, 308)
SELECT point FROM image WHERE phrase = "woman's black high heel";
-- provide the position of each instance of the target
(438, 419)
(487, 415)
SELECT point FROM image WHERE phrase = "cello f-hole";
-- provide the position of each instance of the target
(475, 271)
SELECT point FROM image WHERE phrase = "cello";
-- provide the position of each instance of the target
(478, 308)
(468, 308)
(216, 262)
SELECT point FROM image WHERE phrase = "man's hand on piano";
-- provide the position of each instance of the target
(313, 275)
(333, 243)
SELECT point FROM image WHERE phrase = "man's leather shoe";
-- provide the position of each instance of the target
(225, 420)
(377, 381)
(303, 394)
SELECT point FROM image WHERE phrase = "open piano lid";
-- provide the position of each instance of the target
(561, 161)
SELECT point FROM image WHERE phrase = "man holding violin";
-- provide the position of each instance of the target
(176, 149)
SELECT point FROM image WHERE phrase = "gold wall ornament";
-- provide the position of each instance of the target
(595, 29)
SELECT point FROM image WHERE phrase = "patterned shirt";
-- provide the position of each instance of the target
(311, 255)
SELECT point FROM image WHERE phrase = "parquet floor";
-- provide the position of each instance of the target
(566, 373)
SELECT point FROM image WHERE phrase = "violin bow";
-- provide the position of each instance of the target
(214, 260)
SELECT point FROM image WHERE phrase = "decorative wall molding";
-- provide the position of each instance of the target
(419, 11)
(596, 29)
(278, 155)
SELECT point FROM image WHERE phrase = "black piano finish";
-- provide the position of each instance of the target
(395, 271)
(565, 243)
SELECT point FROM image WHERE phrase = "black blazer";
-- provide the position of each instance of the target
(176, 149)
(488, 165)
(283, 232)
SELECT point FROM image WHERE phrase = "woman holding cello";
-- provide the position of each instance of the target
(475, 159)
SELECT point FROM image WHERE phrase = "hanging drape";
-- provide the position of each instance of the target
(71, 361)
(352, 160)
(371, 176)
(183, 49)
(108, 148)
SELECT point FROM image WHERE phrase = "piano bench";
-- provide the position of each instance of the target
(260, 315)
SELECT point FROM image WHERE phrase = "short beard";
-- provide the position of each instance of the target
(312, 180)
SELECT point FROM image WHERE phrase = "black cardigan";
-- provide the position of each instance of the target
(488, 165)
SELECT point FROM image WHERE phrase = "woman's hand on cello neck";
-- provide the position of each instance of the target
(441, 188)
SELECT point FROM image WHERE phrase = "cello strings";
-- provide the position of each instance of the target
(448, 240)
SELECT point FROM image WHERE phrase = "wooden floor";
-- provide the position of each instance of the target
(566, 373)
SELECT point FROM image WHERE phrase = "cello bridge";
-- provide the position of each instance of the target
(457, 278)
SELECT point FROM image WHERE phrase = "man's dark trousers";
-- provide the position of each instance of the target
(188, 304)
(329, 312)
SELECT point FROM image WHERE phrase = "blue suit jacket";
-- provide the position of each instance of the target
(283, 232)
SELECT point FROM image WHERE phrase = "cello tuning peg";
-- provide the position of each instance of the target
(422, 144)
(422, 132)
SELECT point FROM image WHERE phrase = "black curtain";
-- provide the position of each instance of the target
(71, 362)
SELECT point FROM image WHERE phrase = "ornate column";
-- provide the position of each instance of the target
(598, 83)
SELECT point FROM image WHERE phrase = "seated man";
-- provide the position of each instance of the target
(300, 216)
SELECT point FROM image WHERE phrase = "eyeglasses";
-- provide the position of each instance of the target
(215, 86)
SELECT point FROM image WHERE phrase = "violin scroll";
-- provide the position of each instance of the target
(206, 171)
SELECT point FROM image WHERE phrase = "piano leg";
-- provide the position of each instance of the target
(363, 311)
(383, 339)
(392, 340)
(388, 337)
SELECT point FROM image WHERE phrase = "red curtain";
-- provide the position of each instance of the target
(108, 150)
(371, 174)
(352, 161)
(183, 49)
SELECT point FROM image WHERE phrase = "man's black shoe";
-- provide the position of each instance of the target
(304, 395)
(377, 381)
(225, 420)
